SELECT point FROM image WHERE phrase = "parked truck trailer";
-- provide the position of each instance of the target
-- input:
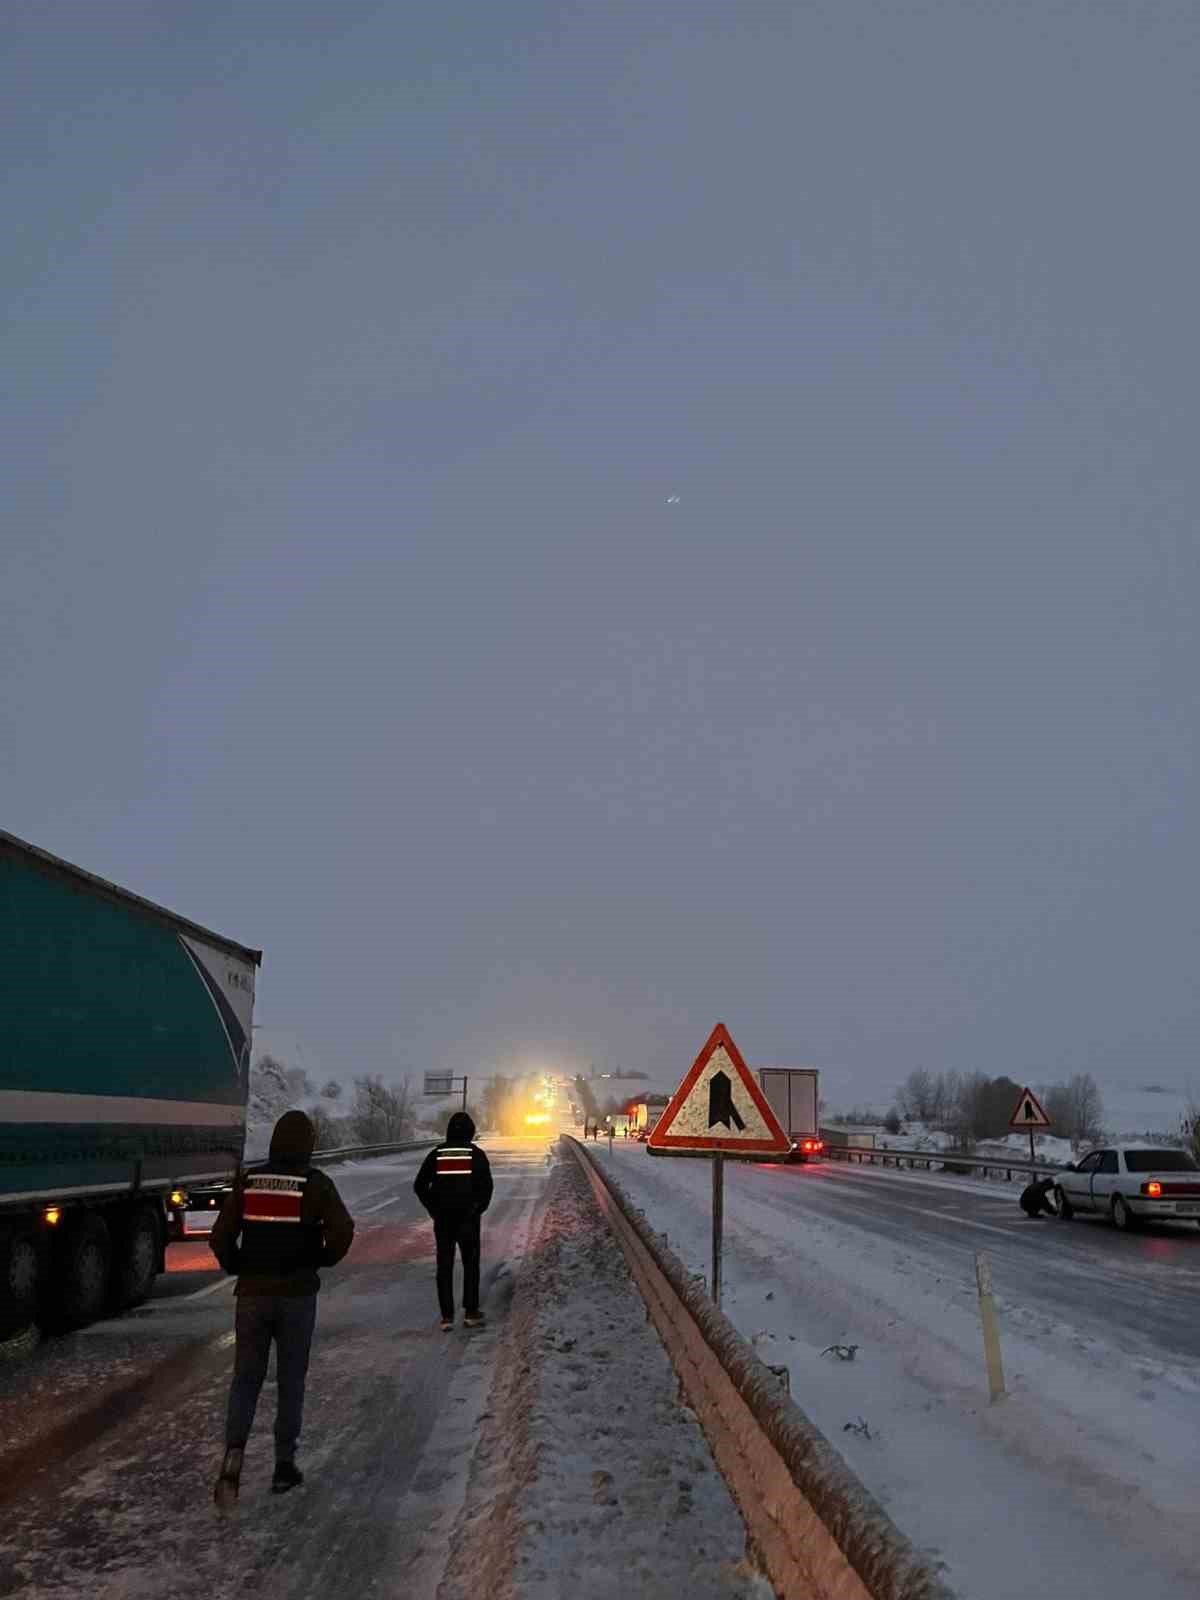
(125, 1036)
(793, 1095)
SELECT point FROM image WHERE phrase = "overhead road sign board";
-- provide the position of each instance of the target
(1029, 1113)
(719, 1107)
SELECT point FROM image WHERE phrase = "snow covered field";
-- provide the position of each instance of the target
(1131, 1111)
(1081, 1480)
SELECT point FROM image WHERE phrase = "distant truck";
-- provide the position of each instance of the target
(124, 1067)
(793, 1095)
(644, 1114)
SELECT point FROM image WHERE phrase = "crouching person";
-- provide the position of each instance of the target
(1038, 1197)
(455, 1187)
(283, 1220)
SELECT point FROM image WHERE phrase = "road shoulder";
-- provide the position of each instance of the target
(585, 1453)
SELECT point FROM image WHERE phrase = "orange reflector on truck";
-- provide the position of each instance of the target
(52, 1215)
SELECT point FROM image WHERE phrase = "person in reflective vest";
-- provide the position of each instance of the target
(455, 1187)
(282, 1220)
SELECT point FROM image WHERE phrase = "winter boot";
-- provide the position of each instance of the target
(474, 1319)
(287, 1476)
(226, 1492)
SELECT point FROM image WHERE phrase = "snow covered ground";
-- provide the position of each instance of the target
(1081, 1480)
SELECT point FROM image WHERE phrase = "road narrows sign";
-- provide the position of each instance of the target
(719, 1107)
(1029, 1113)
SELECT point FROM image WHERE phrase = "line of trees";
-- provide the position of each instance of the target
(974, 1106)
(379, 1113)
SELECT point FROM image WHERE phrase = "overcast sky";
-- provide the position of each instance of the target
(352, 354)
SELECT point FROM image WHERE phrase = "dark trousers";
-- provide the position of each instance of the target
(450, 1231)
(289, 1321)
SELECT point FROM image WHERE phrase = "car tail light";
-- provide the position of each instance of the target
(52, 1215)
(1153, 1189)
(810, 1144)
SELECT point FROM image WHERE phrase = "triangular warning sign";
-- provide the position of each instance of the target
(1029, 1113)
(719, 1106)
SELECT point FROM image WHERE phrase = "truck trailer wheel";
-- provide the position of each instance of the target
(80, 1271)
(137, 1251)
(20, 1279)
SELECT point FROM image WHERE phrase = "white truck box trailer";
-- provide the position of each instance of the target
(792, 1093)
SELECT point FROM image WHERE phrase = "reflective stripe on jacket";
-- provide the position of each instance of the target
(455, 1180)
(278, 1227)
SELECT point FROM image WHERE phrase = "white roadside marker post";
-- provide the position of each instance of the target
(991, 1333)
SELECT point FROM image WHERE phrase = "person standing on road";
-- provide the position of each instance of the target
(283, 1220)
(455, 1187)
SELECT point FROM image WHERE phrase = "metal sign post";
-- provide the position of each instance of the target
(718, 1221)
(441, 1084)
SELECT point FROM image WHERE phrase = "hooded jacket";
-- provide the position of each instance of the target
(455, 1180)
(283, 1219)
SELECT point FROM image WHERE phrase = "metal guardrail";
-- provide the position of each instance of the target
(947, 1160)
(349, 1151)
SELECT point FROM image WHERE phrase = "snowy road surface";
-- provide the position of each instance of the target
(1083, 1479)
(387, 1436)
(508, 1463)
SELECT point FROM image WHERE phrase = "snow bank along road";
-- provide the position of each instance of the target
(513, 1461)
(1083, 1478)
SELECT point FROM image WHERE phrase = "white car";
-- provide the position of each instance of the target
(1131, 1184)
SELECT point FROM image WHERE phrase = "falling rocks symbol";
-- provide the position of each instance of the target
(720, 1102)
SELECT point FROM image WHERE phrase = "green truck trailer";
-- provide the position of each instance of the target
(125, 1037)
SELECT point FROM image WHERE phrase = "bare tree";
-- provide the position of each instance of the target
(327, 1130)
(299, 1083)
(504, 1104)
(270, 1091)
(946, 1094)
(382, 1113)
(331, 1090)
(1189, 1128)
(970, 1111)
(1076, 1109)
(916, 1098)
